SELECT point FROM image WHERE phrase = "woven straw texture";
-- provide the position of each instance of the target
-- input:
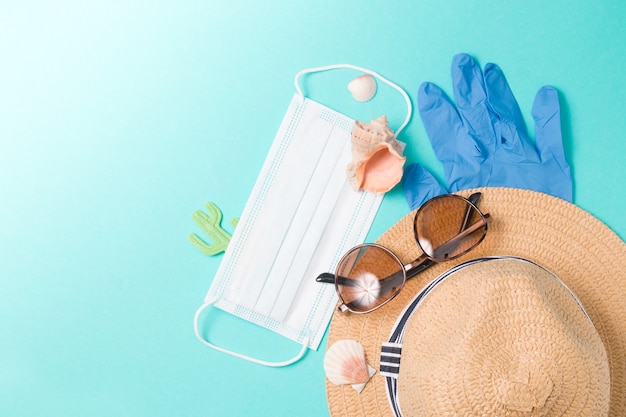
(515, 344)
(577, 247)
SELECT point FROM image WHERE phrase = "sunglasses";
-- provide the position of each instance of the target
(368, 276)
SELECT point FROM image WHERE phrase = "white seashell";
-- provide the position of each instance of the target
(377, 161)
(363, 87)
(345, 364)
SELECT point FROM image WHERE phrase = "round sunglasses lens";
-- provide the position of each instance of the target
(448, 226)
(367, 277)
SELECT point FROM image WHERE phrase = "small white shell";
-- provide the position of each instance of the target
(363, 87)
(345, 363)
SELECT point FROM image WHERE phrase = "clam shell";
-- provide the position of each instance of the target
(345, 364)
(363, 87)
(377, 161)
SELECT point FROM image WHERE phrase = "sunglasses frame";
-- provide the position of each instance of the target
(424, 261)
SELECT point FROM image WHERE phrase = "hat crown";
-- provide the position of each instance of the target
(524, 386)
(517, 303)
(502, 337)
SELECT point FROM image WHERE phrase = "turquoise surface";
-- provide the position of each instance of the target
(118, 119)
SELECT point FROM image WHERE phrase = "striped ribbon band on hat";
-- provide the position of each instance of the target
(390, 359)
(391, 351)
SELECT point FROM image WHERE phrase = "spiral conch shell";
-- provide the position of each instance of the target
(363, 87)
(377, 161)
(345, 363)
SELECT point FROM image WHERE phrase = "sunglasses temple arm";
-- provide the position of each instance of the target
(329, 278)
(424, 262)
(442, 251)
(474, 198)
(420, 264)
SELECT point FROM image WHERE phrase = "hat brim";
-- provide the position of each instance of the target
(588, 256)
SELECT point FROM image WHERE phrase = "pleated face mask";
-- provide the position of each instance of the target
(301, 216)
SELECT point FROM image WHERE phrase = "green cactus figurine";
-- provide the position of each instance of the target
(211, 225)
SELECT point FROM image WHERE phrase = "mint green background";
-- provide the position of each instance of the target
(118, 119)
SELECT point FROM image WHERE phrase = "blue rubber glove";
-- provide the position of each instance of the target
(420, 185)
(485, 142)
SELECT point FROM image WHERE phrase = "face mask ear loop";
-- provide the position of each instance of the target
(196, 320)
(367, 71)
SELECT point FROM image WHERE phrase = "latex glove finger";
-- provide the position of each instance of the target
(420, 186)
(546, 112)
(471, 99)
(441, 121)
(510, 128)
(454, 147)
(501, 98)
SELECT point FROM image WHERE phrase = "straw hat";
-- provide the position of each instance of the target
(554, 236)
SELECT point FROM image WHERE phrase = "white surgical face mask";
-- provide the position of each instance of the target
(300, 218)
